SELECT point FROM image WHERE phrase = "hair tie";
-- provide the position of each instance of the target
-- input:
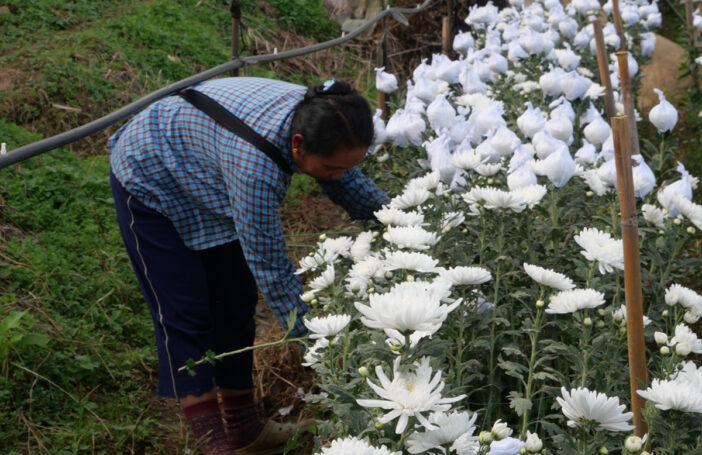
(328, 84)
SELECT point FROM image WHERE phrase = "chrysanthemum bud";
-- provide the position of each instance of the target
(633, 443)
(645, 452)
(677, 221)
(665, 350)
(388, 275)
(375, 234)
(410, 278)
(664, 313)
(314, 302)
(601, 312)
(322, 237)
(325, 307)
(307, 296)
(602, 450)
(661, 338)
(378, 425)
(661, 232)
(363, 371)
(533, 443)
(587, 322)
(600, 324)
(540, 303)
(371, 290)
(395, 347)
(589, 193)
(683, 349)
(490, 181)
(690, 230)
(485, 438)
(500, 430)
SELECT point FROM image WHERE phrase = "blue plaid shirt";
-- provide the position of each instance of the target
(215, 187)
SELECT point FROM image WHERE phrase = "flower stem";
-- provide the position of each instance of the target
(584, 347)
(534, 336)
(491, 364)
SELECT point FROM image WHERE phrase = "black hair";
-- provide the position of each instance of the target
(333, 114)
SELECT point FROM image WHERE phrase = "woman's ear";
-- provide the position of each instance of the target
(297, 144)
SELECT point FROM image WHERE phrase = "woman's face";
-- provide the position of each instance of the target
(329, 167)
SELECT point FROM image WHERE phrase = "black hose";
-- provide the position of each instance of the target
(44, 145)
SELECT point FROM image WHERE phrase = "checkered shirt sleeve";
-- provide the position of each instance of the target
(260, 230)
(356, 193)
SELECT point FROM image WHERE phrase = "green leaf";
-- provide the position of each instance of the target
(519, 403)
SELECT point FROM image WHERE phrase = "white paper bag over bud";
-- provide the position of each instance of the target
(560, 127)
(531, 121)
(379, 135)
(385, 82)
(440, 113)
(597, 131)
(663, 115)
(463, 42)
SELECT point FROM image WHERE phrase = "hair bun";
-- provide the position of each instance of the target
(331, 87)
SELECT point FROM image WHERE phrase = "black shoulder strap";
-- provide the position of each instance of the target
(224, 117)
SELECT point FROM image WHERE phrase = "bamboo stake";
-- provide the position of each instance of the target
(628, 99)
(688, 19)
(632, 271)
(445, 35)
(604, 68)
(618, 24)
(382, 61)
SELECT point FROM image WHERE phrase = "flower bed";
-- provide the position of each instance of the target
(487, 315)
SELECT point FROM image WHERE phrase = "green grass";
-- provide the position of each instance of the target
(64, 264)
(77, 372)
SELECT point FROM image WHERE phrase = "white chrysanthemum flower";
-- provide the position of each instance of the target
(581, 404)
(427, 182)
(689, 209)
(594, 182)
(310, 263)
(673, 395)
(333, 248)
(361, 272)
(323, 280)
(500, 199)
(412, 237)
(601, 247)
(361, 246)
(352, 444)
(327, 326)
(395, 338)
(450, 220)
(532, 194)
(409, 394)
(313, 355)
(391, 216)
(487, 170)
(449, 427)
(407, 307)
(573, 300)
(548, 277)
(686, 297)
(689, 373)
(411, 261)
(653, 215)
(411, 197)
(465, 276)
(685, 341)
(620, 315)
(467, 159)
(500, 430)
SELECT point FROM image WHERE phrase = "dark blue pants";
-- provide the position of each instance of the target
(199, 300)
